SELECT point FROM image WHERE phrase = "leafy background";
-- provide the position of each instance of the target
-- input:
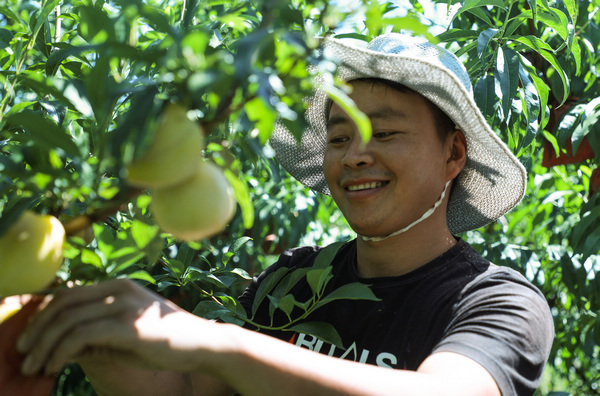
(81, 83)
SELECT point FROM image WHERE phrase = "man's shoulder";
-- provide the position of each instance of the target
(504, 281)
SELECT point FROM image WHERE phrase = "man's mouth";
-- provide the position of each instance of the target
(366, 186)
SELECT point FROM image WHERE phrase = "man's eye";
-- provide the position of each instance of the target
(383, 135)
(338, 139)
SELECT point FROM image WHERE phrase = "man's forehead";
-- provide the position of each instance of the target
(338, 116)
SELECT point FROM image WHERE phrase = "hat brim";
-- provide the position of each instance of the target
(493, 180)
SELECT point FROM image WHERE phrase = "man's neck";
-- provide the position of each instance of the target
(403, 253)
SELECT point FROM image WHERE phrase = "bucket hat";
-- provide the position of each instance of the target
(493, 180)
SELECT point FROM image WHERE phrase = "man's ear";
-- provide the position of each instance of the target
(457, 146)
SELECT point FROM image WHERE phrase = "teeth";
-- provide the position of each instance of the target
(365, 186)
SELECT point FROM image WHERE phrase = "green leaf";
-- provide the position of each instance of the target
(360, 119)
(483, 40)
(573, 9)
(555, 19)
(124, 258)
(95, 26)
(589, 118)
(289, 281)
(240, 272)
(568, 123)
(143, 233)
(235, 247)
(542, 89)
(507, 76)
(90, 257)
(263, 115)
(266, 286)
(457, 35)
(324, 331)
(176, 267)
(553, 141)
(76, 95)
(40, 18)
(485, 95)
(576, 52)
(483, 15)
(581, 228)
(350, 291)
(285, 303)
(531, 103)
(411, 23)
(533, 8)
(327, 254)
(242, 196)
(193, 274)
(62, 53)
(11, 15)
(210, 309)
(141, 275)
(18, 107)
(474, 7)
(591, 245)
(530, 95)
(43, 131)
(546, 52)
(465, 49)
(318, 278)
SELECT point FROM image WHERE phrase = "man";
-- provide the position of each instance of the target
(448, 322)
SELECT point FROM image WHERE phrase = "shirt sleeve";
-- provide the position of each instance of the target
(504, 323)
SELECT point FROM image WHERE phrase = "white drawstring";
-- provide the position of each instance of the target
(414, 223)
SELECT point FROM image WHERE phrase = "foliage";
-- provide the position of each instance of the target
(82, 82)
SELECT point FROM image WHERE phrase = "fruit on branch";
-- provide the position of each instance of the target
(173, 155)
(31, 252)
(196, 208)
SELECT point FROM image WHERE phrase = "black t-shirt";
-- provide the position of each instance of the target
(458, 302)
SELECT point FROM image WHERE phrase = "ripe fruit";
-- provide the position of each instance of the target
(173, 155)
(8, 309)
(198, 207)
(31, 253)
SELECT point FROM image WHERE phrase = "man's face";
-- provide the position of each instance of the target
(399, 174)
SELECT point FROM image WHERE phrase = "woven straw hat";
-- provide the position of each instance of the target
(493, 180)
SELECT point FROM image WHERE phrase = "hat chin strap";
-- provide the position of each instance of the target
(414, 223)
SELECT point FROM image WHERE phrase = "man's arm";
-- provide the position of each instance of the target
(128, 338)
(262, 365)
(114, 379)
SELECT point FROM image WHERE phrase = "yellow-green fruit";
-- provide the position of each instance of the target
(8, 310)
(174, 153)
(31, 252)
(197, 208)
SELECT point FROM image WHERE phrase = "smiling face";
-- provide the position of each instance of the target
(400, 173)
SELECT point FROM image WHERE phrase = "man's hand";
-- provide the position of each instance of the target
(116, 321)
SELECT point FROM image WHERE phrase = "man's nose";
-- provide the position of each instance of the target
(358, 154)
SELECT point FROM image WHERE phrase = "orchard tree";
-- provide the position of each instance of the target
(87, 89)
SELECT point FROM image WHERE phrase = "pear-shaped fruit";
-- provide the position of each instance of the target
(174, 153)
(31, 252)
(197, 208)
(8, 309)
